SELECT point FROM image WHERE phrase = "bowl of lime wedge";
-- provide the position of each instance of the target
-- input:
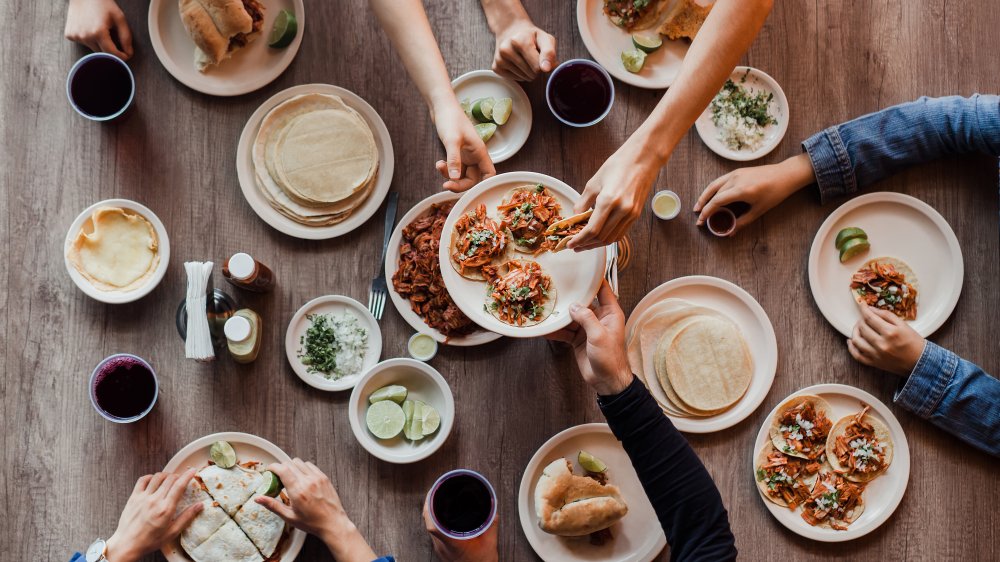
(401, 410)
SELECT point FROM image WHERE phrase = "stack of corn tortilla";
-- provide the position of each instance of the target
(693, 359)
(315, 159)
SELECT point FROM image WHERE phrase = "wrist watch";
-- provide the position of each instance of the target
(98, 551)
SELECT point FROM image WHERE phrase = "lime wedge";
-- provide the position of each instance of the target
(501, 110)
(467, 108)
(633, 60)
(482, 109)
(431, 419)
(414, 428)
(847, 234)
(647, 43)
(222, 454)
(385, 419)
(590, 463)
(393, 392)
(486, 130)
(853, 247)
(284, 30)
(270, 486)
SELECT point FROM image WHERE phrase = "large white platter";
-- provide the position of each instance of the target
(245, 169)
(756, 80)
(576, 276)
(249, 69)
(403, 305)
(248, 448)
(605, 41)
(512, 135)
(112, 297)
(881, 496)
(753, 322)
(638, 537)
(898, 226)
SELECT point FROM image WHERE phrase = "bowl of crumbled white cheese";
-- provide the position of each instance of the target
(332, 341)
(747, 118)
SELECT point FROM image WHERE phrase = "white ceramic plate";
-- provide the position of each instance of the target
(898, 226)
(747, 313)
(248, 448)
(576, 276)
(112, 297)
(756, 81)
(331, 304)
(392, 265)
(424, 383)
(249, 69)
(881, 496)
(245, 170)
(512, 135)
(605, 41)
(638, 537)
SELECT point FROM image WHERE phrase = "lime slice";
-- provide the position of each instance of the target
(414, 428)
(853, 247)
(222, 454)
(467, 108)
(847, 234)
(633, 60)
(590, 463)
(501, 110)
(482, 109)
(647, 43)
(393, 392)
(270, 486)
(385, 419)
(486, 130)
(431, 419)
(284, 30)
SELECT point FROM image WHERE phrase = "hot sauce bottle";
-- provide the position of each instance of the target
(247, 273)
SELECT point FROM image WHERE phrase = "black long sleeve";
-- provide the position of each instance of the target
(682, 492)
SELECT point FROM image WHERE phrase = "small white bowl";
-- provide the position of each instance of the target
(424, 383)
(424, 358)
(119, 297)
(666, 194)
(761, 81)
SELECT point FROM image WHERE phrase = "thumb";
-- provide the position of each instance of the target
(277, 507)
(546, 50)
(182, 521)
(585, 317)
(454, 159)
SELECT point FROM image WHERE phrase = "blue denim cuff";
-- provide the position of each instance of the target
(922, 391)
(831, 164)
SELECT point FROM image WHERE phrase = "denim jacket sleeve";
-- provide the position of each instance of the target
(955, 395)
(855, 154)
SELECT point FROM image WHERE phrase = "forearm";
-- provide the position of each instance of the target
(683, 494)
(855, 154)
(725, 36)
(501, 14)
(347, 544)
(406, 24)
(955, 395)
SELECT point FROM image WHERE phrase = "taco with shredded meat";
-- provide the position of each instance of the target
(528, 211)
(478, 240)
(834, 502)
(887, 284)
(859, 447)
(800, 427)
(559, 233)
(783, 479)
(519, 293)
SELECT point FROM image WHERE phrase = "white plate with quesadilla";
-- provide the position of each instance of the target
(636, 537)
(232, 526)
(287, 210)
(241, 70)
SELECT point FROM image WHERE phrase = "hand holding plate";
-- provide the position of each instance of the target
(468, 162)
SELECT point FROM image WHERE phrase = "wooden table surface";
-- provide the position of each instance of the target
(67, 472)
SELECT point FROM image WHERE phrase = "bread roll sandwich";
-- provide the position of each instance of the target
(220, 27)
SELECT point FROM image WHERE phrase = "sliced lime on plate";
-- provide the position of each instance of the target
(633, 60)
(486, 130)
(848, 233)
(502, 109)
(430, 418)
(853, 247)
(482, 109)
(270, 486)
(647, 43)
(590, 463)
(222, 454)
(414, 428)
(284, 30)
(467, 108)
(385, 419)
(394, 392)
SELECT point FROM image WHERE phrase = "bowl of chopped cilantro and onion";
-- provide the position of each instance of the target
(747, 118)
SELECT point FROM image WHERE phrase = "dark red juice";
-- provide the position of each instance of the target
(579, 93)
(462, 504)
(101, 87)
(124, 387)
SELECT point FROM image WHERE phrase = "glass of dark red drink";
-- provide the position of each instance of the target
(123, 388)
(100, 87)
(462, 504)
(580, 92)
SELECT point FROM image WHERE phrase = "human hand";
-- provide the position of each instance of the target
(760, 187)
(468, 161)
(91, 23)
(617, 193)
(523, 51)
(598, 339)
(480, 549)
(148, 521)
(885, 341)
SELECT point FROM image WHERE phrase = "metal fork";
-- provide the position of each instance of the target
(380, 290)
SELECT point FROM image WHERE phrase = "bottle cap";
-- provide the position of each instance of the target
(241, 265)
(237, 329)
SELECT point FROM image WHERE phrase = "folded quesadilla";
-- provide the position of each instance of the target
(230, 487)
(194, 492)
(229, 544)
(220, 27)
(210, 520)
(261, 525)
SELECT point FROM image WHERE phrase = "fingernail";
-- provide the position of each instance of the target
(454, 173)
(574, 307)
